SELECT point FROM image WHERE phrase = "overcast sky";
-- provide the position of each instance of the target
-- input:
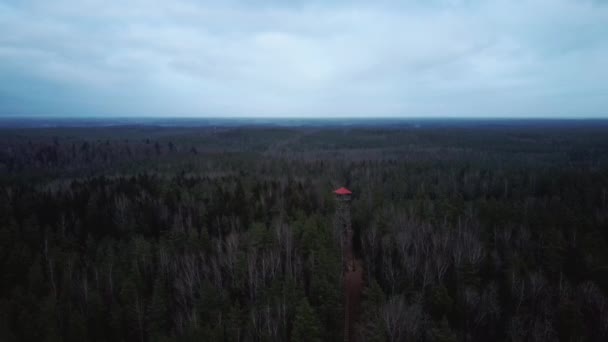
(437, 58)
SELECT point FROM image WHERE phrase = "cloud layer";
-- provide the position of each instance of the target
(316, 58)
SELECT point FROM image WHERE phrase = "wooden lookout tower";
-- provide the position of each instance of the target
(344, 227)
(352, 272)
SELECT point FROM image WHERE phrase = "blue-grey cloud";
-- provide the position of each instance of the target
(313, 58)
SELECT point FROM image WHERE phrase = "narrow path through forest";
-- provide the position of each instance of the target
(353, 285)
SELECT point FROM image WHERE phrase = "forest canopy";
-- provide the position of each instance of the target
(465, 233)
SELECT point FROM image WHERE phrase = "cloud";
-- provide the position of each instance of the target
(275, 58)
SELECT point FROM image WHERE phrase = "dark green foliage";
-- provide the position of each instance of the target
(306, 325)
(371, 326)
(440, 302)
(158, 316)
(442, 332)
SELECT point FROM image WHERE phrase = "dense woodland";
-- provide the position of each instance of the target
(466, 233)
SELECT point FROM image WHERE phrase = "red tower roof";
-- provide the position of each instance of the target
(343, 191)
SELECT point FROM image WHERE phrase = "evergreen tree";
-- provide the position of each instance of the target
(306, 325)
(370, 324)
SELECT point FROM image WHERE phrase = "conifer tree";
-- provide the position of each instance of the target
(306, 326)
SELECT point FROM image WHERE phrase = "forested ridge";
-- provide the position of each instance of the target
(227, 234)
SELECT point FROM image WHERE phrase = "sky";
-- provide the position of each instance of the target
(237, 58)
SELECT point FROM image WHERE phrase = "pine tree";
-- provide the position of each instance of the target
(306, 325)
(370, 325)
(157, 310)
(442, 332)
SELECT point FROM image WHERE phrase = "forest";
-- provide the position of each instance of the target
(490, 232)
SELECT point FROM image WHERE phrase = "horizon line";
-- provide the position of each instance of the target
(319, 118)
